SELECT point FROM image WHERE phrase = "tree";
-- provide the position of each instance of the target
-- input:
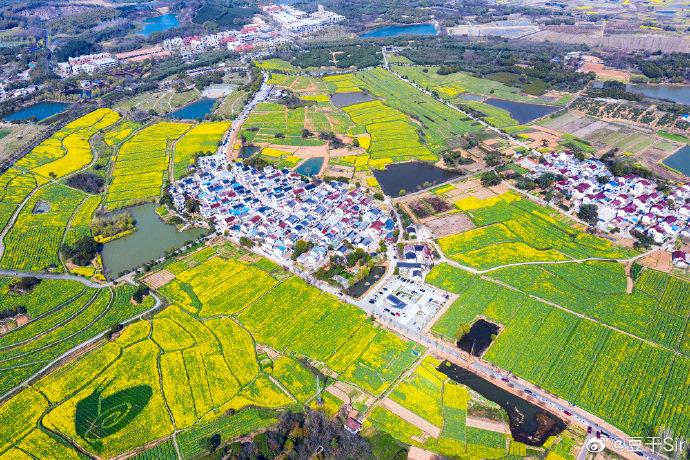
(490, 178)
(140, 293)
(546, 180)
(214, 442)
(83, 251)
(493, 158)
(301, 247)
(246, 242)
(588, 213)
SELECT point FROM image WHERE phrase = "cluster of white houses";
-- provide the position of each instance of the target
(298, 22)
(257, 34)
(275, 208)
(629, 203)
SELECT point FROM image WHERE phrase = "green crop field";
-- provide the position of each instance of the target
(511, 229)
(271, 123)
(203, 139)
(431, 395)
(64, 314)
(455, 84)
(440, 124)
(141, 163)
(34, 240)
(625, 379)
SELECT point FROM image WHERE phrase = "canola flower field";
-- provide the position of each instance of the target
(625, 361)
(511, 229)
(141, 164)
(192, 362)
(202, 139)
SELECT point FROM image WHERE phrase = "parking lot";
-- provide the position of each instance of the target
(409, 303)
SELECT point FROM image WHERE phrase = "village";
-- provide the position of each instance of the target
(288, 217)
(627, 205)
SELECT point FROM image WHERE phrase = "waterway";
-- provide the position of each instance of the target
(478, 339)
(410, 177)
(523, 112)
(152, 238)
(40, 110)
(310, 167)
(396, 31)
(675, 93)
(159, 24)
(197, 110)
(529, 423)
(680, 160)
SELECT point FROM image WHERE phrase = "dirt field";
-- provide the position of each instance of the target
(449, 224)
(658, 260)
(158, 279)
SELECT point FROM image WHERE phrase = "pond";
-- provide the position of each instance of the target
(411, 177)
(358, 289)
(345, 99)
(41, 111)
(676, 93)
(471, 97)
(680, 160)
(159, 24)
(478, 339)
(523, 112)
(249, 150)
(396, 31)
(152, 238)
(197, 110)
(310, 167)
(529, 423)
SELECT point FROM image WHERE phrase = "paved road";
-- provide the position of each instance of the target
(56, 276)
(228, 144)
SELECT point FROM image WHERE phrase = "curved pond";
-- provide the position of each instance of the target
(159, 24)
(152, 238)
(680, 160)
(529, 423)
(676, 93)
(197, 110)
(310, 167)
(523, 112)
(410, 177)
(396, 31)
(40, 110)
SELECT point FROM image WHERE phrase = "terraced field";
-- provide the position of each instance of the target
(627, 361)
(141, 163)
(511, 229)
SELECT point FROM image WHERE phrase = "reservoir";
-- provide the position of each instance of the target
(675, 93)
(310, 167)
(396, 31)
(410, 176)
(152, 238)
(196, 110)
(529, 423)
(523, 112)
(680, 160)
(159, 24)
(41, 111)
